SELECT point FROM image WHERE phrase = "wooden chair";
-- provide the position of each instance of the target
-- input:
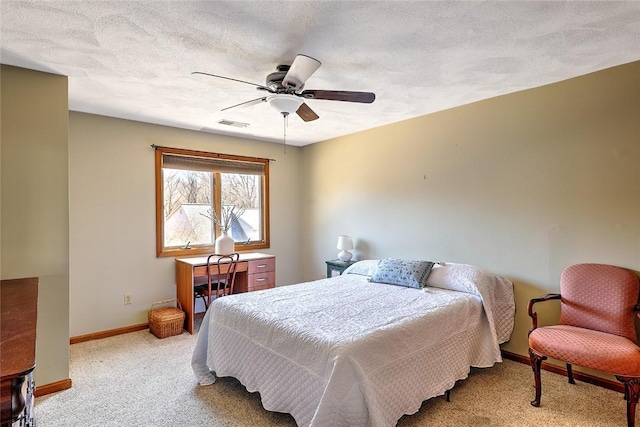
(596, 329)
(221, 276)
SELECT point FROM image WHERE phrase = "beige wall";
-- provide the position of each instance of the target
(523, 184)
(35, 199)
(112, 216)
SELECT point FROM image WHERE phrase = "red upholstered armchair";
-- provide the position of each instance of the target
(598, 304)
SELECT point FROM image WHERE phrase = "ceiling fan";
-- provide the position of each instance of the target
(286, 89)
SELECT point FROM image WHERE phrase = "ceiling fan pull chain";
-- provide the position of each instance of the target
(286, 116)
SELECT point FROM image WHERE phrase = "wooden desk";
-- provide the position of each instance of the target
(18, 317)
(255, 271)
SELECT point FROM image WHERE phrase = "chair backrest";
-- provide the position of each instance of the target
(221, 272)
(600, 297)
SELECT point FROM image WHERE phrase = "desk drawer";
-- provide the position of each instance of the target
(262, 265)
(201, 270)
(260, 281)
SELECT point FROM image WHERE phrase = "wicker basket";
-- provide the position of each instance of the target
(166, 321)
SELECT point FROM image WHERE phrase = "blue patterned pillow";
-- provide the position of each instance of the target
(412, 274)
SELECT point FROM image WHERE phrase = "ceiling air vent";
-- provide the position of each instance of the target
(233, 123)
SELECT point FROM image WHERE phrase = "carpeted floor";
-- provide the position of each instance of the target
(139, 380)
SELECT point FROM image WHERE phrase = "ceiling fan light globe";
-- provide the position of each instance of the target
(284, 104)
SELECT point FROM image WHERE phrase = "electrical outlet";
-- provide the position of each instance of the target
(128, 298)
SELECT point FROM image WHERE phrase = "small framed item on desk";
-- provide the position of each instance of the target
(335, 265)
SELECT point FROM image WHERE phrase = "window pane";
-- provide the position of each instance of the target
(188, 202)
(197, 192)
(244, 192)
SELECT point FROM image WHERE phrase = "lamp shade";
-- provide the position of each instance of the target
(344, 242)
(284, 103)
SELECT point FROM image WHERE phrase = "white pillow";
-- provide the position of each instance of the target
(439, 277)
(455, 277)
(364, 268)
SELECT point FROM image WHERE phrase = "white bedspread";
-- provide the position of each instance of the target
(347, 352)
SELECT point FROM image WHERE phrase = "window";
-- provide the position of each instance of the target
(196, 191)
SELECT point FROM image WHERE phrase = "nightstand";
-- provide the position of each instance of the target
(337, 265)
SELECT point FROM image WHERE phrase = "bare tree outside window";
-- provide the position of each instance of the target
(195, 187)
(172, 197)
(242, 190)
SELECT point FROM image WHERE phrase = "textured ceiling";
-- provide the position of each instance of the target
(133, 59)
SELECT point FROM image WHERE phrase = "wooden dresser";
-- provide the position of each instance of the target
(18, 306)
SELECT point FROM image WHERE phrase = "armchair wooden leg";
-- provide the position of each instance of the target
(570, 374)
(631, 395)
(536, 364)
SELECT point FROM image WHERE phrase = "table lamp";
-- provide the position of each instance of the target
(345, 244)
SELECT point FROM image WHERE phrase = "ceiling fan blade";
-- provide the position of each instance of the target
(235, 80)
(301, 69)
(247, 103)
(340, 95)
(306, 113)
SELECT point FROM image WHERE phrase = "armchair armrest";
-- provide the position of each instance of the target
(533, 314)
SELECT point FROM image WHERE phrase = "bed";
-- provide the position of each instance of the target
(349, 351)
